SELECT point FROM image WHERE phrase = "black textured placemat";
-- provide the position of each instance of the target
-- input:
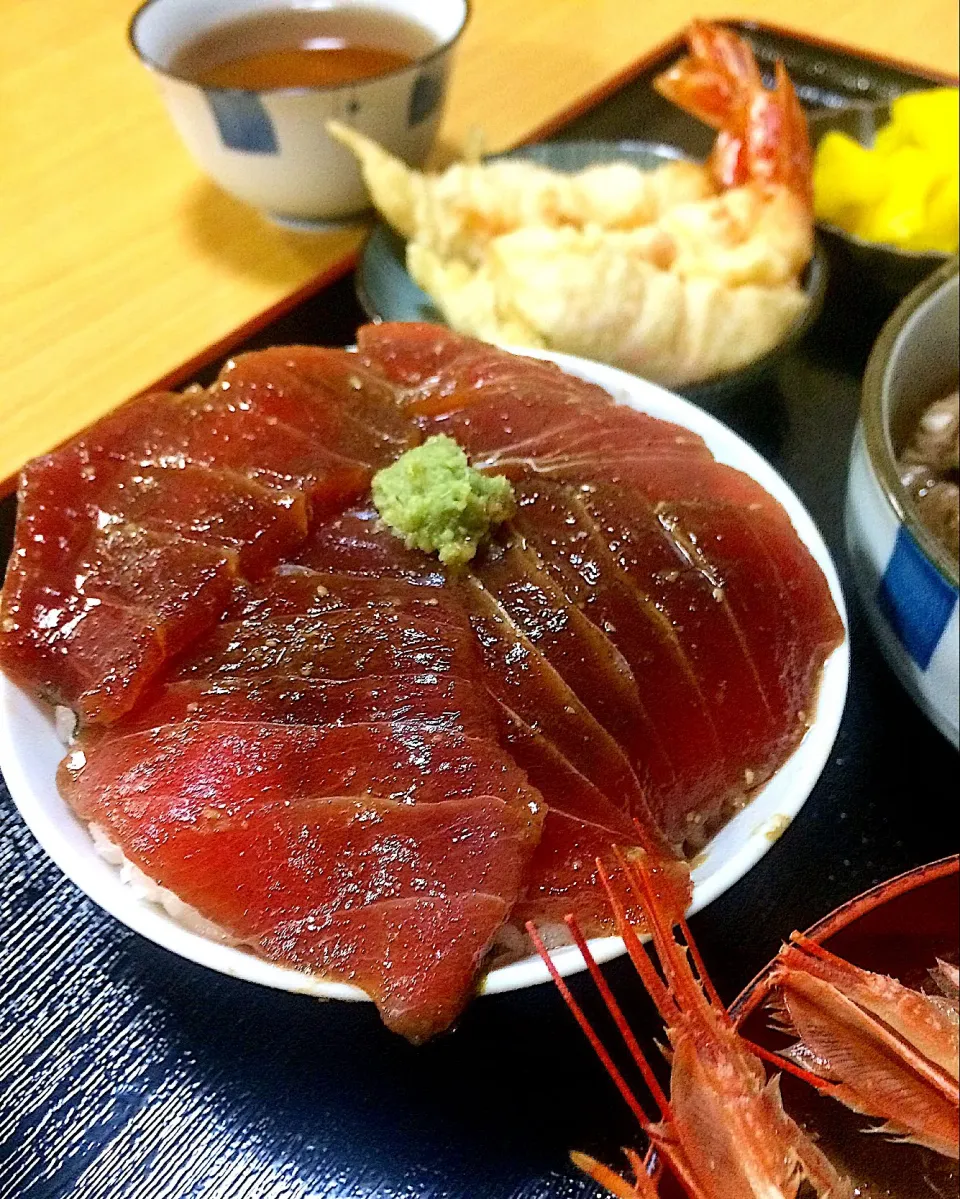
(125, 1071)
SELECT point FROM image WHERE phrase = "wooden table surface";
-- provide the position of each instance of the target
(120, 262)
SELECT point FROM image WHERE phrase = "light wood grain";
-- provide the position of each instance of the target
(120, 261)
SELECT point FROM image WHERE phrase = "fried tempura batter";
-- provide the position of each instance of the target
(680, 274)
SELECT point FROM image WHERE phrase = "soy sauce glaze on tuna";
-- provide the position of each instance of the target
(354, 761)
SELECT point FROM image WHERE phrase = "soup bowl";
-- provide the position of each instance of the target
(908, 582)
(270, 148)
(899, 928)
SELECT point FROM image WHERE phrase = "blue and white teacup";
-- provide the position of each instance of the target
(270, 148)
(907, 579)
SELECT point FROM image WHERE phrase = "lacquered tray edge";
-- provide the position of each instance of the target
(221, 348)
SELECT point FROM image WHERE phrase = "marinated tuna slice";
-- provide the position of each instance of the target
(667, 478)
(221, 485)
(305, 784)
(788, 622)
(436, 702)
(444, 372)
(273, 453)
(408, 353)
(356, 542)
(374, 855)
(582, 824)
(260, 524)
(737, 624)
(137, 600)
(570, 791)
(325, 644)
(719, 611)
(298, 590)
(582, 652)
(555, 446)
(676, 716)
(562, 877)
(525, 683)
(518, 432)
(341, 645)
(327, 394)
(111, 773)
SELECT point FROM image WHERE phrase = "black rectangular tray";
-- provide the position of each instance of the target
(125, 1071)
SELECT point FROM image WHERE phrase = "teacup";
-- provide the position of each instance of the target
(270, 148)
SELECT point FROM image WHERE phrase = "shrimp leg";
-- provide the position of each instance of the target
(886, 1050)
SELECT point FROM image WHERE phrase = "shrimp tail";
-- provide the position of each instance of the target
(887, 1051)
(762, 133)
(712, 81)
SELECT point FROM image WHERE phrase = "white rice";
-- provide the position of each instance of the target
(65, 723)
(144, 889)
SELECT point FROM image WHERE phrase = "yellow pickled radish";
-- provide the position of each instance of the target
(903, 190)
(943, 226)
(930, 119)
(846, 176)
(888, 139)
(900, 216)
(897, 220)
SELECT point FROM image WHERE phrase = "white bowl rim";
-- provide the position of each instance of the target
(751, 832)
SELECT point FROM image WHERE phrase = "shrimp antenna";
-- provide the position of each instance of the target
(618, 1017)
(588, 1029)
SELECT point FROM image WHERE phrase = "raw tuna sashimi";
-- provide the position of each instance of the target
(354, 760)
(322, 777)
(132, 537)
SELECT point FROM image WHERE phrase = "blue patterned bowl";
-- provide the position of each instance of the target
(270, 148)
(908, 581)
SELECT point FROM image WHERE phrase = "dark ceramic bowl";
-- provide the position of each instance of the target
(387, 292)
(893, 271)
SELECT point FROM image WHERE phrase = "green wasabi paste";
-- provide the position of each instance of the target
(434, 499)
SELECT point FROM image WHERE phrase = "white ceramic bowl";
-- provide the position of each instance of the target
(30, 751)
(271, 148)
(907, 581)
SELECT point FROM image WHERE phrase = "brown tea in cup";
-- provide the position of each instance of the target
(296, 47)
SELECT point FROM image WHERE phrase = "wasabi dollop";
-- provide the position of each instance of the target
(434, 499)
